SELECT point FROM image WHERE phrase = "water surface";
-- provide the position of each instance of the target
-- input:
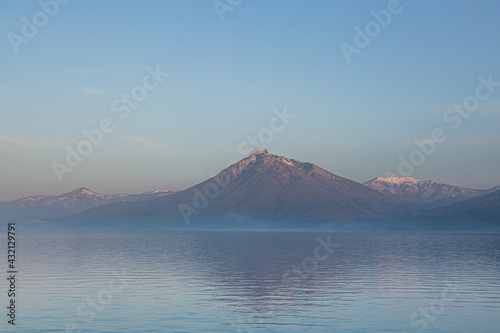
(176, 281)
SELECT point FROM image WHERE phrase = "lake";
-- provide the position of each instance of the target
(180, 281)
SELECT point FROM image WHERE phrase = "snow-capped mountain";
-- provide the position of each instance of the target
(270, 190)
(427, 193)
(79, 200)
(262, 186)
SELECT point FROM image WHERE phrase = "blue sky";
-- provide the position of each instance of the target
(225, 79)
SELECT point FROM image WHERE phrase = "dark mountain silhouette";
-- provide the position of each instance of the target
(472, 214)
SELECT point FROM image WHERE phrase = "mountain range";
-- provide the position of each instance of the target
(266, 189)
(260, 187)
(41, 207)
(425, 193)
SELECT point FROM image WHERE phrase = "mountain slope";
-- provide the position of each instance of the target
(427, 194)
(79, 200)
(262, 186)
(481, 211)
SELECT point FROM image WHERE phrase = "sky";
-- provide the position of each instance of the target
(172, 92)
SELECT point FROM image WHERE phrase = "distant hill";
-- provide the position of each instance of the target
(472, 214)
(44, 207)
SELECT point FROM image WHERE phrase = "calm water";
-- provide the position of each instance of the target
(171, 281)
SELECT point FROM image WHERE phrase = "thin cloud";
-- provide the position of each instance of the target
(152, 143)
(7, 142)
(343, 147)
(481, 141)
(412, 144)
(10, 143)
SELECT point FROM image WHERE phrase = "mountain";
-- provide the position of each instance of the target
(79, 200)
(426, 193)
(262, 186)
(473, 214)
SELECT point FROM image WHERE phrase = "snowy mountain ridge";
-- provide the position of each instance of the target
(424, 192)
(76, 201)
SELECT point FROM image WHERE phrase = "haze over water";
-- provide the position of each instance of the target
(177, 281)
